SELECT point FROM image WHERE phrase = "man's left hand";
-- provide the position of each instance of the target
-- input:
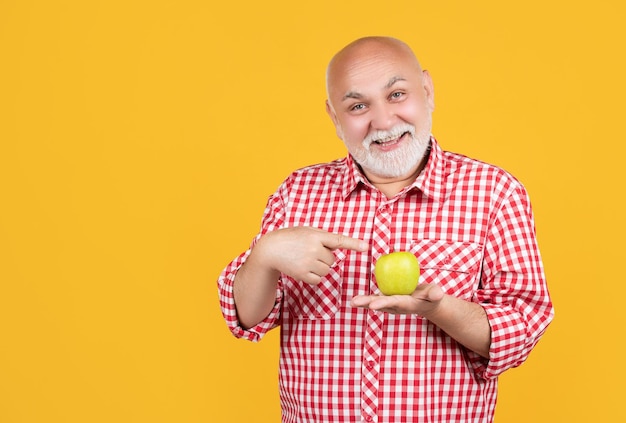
(423, 301)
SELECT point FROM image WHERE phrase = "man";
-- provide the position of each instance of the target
(348, 353)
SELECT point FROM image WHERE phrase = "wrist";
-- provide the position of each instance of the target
(260, 258)
(438, 309)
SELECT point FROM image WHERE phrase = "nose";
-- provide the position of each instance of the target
(382, 117)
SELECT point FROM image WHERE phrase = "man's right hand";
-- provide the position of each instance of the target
(304, 253)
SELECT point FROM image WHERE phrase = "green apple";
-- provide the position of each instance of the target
(397, 273)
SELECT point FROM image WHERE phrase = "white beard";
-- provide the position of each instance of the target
(398, 162)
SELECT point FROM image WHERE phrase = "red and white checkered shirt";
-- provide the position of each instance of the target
(471, 227)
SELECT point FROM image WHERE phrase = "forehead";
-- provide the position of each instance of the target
(371, 69)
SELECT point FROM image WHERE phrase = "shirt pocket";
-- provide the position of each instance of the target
(455, 266)
(321, 301)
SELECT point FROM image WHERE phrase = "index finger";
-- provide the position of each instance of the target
(334, 241)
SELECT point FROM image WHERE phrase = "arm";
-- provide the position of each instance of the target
(254, 290)
(304, 253)
(464, 321)
(513, 288)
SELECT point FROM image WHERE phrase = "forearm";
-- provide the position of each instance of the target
(254, 290)
(464, 321)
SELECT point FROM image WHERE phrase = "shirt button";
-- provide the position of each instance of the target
(369, 364)
(369, 418)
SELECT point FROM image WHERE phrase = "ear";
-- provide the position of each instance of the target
(429, 90)
(331, 113)
(333, 116)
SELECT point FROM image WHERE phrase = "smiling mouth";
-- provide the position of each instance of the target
(392, 141)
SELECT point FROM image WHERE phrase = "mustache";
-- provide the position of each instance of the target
(390, 134)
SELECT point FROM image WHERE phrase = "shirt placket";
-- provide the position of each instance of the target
(374, 327)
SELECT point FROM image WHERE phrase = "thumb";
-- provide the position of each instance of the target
(334, 241)
(435, 293)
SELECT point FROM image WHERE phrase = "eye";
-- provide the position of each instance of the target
(396, 95)
(358, 107)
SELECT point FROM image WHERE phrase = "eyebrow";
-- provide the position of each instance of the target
(393, 81)
(356, 95)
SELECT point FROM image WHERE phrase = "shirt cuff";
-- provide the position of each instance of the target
(229, 311)
(508, 342)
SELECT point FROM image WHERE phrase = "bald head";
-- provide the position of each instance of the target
(367, 50)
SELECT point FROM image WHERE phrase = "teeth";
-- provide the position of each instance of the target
(386, 140)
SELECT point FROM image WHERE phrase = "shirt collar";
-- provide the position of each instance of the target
(430, 180)
(352, 177)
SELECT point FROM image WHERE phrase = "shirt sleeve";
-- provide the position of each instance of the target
(513, 288)
(272, 219)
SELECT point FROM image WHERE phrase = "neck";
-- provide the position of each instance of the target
(392, 186)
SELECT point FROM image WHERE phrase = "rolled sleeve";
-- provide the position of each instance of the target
(512, 340)
(229, 309)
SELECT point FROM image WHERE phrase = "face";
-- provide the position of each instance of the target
(381, 102)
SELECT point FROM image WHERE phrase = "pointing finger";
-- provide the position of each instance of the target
(334, 241)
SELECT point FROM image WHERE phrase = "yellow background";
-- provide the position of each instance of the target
(139, 141)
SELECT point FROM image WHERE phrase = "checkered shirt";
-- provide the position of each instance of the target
(471, 227)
